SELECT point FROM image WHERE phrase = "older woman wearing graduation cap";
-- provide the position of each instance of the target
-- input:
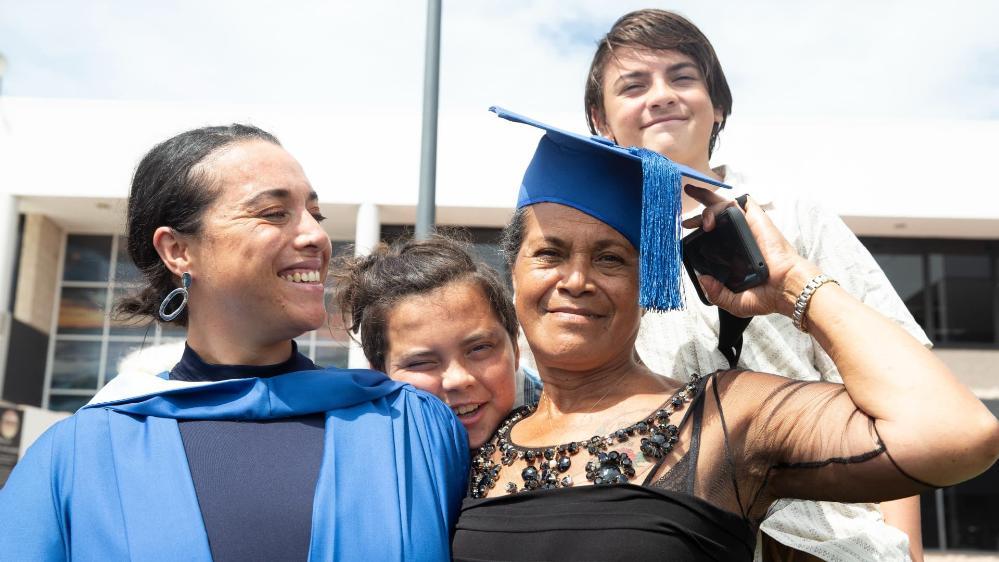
(617, 462)
(245, 450)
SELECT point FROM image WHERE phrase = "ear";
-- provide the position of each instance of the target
(601, 124)
(719, 117)
(174, 249)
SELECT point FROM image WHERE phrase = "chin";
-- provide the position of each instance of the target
(480, 439)
(663, 145)
(306, 323)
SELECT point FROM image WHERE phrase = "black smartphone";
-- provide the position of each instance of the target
(728, 253)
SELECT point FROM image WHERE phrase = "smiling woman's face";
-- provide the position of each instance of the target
(260, 260)
(576, 289)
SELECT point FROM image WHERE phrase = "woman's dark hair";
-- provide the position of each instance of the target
(172, 188)
(512, 237)
(657, 30)
(365, 288)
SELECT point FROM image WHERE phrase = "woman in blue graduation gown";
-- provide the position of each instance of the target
(245, 450)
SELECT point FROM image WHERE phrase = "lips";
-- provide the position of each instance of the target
(664, 119)
(583, 312)
(466, 409)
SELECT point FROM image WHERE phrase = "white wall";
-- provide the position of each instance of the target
(885, 171)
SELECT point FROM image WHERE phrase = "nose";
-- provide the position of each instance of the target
(575, 276)
(661, 94)
(456, 377)
(311, 234)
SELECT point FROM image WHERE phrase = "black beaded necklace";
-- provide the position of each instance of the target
(546, 466)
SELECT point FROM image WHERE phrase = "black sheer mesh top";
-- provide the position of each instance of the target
(690, 481)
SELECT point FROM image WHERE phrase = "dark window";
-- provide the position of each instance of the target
(951, 287)
(484, 243)
(928, 520)
(88, 258)
(971, 508)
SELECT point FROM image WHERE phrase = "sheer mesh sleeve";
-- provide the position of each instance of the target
(804, 440)
(766, 437)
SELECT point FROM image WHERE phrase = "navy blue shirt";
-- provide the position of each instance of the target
(255, 480)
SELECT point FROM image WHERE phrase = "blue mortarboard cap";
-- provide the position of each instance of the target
(634, 190)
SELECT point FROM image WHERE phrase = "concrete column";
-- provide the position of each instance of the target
(8, 247)
(8, 250)
(38, 272)
(367, 234)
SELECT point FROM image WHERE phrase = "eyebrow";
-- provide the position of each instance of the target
(598, 246)
(478, 335)
(553, 240)
(608, 243)
(669, 70)
(277, 193)
(410, 355)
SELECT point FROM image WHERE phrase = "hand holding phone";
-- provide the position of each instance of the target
(728, 253)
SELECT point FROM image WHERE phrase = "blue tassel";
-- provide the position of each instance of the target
(660, 259)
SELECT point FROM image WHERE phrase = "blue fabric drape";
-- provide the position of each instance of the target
(112, 481)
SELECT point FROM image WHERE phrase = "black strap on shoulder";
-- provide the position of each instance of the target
(730, 326)
(730, 329)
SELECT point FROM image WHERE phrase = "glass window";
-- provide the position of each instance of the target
(68, 402)
(88, 258)
(928, 519)
(961, 285)
(81, 310)
(905, 271)
(331, 356)
(972, 510)
(125, 272)
(951, 287)
(89, 342)
(76, 364)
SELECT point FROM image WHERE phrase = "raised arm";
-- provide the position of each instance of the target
(934, 429)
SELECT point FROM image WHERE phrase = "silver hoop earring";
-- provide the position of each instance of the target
(185, 280)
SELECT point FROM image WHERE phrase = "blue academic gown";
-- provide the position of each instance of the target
(112, 481)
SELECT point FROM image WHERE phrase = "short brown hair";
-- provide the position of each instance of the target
(366, 288)
(657, 30)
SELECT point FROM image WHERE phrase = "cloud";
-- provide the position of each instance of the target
(849, 58)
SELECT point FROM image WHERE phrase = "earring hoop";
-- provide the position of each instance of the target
(185, 280)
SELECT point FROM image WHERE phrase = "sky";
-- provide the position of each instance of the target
(842, 59)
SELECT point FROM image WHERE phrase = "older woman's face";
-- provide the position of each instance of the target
(659, 100)
(576, 289)
(451, 343)
(261, 258)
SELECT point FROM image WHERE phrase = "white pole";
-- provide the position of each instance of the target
(367, 233)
